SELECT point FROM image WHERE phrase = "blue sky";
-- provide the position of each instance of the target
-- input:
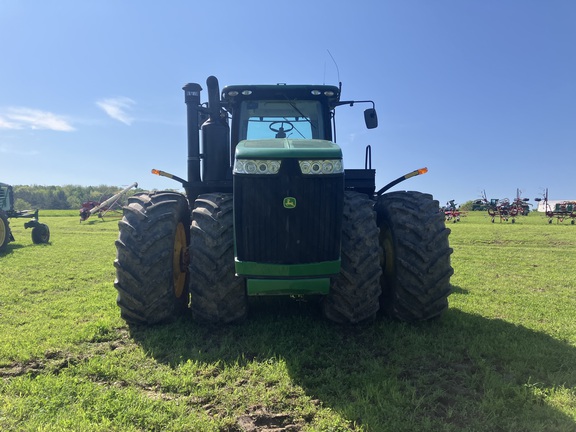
(481, 92)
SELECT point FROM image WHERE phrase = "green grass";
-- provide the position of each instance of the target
(501, 359)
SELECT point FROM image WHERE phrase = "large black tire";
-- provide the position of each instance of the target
(152, 257)
(354, 293)
(5, 233)
(40, 234)
(218, 296)
(416, 256)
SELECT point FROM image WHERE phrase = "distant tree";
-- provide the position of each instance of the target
(59, 200)
(63, 197)
(20, 204)
(467, 206)
(74, 202)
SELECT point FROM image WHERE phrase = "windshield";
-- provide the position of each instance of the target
(300, 119)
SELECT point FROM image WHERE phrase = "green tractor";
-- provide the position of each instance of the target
(40, 231)
(270, 210)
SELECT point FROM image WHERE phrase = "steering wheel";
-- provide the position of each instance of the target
(281, 132)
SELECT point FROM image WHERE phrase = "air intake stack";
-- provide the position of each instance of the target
(215, 137)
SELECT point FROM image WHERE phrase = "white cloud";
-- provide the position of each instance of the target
(28, 118)
(7, 124)
(117, 108)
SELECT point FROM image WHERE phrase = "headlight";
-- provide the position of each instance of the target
(248, 166)
(329, 166)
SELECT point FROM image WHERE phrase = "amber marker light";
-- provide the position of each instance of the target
(164, 174)
(401, 179)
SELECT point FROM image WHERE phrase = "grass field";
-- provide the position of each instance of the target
(503, 358)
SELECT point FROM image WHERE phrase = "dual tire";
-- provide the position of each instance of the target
(153, 260)
(395, 257)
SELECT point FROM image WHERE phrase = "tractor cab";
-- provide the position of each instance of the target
(280, 111)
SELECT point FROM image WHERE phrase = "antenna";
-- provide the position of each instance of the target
(335, 64)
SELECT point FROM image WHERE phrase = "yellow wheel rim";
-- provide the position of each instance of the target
(179, 260)
(3, 232)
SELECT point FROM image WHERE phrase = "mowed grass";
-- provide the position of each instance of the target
(503, 358)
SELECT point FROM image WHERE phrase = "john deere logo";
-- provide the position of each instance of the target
(289, 202)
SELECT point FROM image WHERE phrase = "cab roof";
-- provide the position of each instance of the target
(324, 93)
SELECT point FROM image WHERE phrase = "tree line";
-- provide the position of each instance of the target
(68, 197)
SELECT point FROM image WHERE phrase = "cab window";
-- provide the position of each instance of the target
(281, 119)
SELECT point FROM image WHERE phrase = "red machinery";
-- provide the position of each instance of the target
(562, 210)
(91, 207)
(505, 209)
(452, 212)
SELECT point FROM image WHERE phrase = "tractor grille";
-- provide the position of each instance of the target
(267, 232)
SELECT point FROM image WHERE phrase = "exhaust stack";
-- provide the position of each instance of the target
(192, 100)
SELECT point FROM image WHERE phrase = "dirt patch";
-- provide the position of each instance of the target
(55, 361)
(33, 367)
(262, 421)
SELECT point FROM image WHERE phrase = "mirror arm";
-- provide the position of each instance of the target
(351, 103)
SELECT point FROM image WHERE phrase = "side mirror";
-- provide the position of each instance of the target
(537, 199)
(371, 118)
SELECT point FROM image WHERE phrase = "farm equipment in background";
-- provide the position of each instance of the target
(503, 208)
(452, 212)
(113, 203)
(500, 208)
(40, 231)
(562, 210)
(270, 210)
(520, 206)
(495, 207)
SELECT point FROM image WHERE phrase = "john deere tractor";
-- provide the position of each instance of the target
(270, 209)
(40, 231)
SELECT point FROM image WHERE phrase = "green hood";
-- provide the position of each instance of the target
(282, 148)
